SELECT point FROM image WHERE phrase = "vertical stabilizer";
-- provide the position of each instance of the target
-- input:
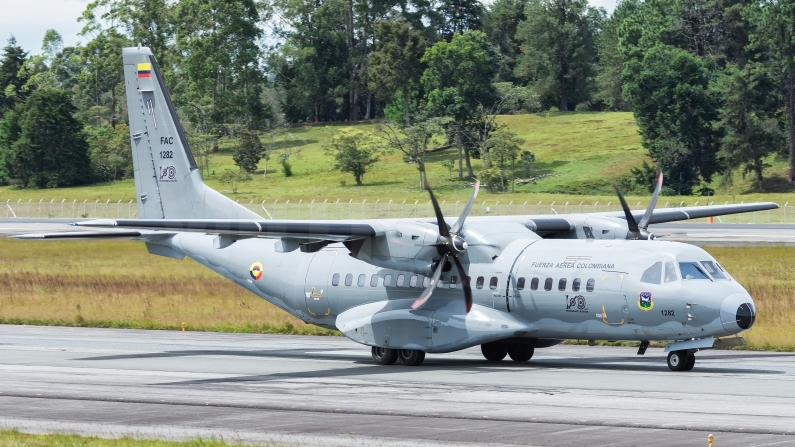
(168, 184)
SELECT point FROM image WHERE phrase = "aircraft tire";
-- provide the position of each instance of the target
(691, 362)
(677, 360)
(384, 356)
(520, 353)
(494, 351)
(411, 357)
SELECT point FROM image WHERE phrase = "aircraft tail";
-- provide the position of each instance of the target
(168, 184)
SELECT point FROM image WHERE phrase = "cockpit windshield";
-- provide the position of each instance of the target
(712, 269)
(691, 270)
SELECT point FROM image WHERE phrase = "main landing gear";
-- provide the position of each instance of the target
(681, 360)
(496, 351)
(409, 357)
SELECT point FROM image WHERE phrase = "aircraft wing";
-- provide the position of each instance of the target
(95, 235)
(662, 215)
(320, 230)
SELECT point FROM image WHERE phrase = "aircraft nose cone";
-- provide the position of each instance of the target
(737, 312)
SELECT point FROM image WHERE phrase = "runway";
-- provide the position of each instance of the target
(299, 390)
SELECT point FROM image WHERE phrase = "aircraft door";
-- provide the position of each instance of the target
(611, 298)
(318, 283)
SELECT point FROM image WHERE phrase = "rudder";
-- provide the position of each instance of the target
(168, 184)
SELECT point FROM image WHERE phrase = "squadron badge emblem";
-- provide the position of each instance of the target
(256, 271)
(645, 301)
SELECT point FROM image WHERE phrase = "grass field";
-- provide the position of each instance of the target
(118, 284)
(581, 153)
(13, 438)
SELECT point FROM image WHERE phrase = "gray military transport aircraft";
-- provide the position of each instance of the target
(404, 286)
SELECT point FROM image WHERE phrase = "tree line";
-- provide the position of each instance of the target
(711, 82)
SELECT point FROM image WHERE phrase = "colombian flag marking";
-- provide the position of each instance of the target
(144, 70)
(256, 271)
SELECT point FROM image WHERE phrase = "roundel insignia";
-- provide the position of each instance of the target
(645, 301)
(256, 271)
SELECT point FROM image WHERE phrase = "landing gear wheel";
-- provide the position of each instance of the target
(384, 356)
(677, 360)
(411, 357)
(494, 351)
(691, 362)
(520, 353)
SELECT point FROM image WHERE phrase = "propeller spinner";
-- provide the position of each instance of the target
(451, 244)
(639, 230)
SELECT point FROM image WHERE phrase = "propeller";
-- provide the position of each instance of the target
(451, 244)
(639, 230)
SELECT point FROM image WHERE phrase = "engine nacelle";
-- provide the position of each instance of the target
(393, 324)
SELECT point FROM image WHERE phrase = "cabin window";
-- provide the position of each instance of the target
(374, 281)
(712, 269)
(493, 283)
(520, 283)
(575, 285)
(534, 284)
(562, 284)
(589, 285)
(548, 284)
(653, 274)
(387, 280)
(670, 272)
(691, 270)
(413, 281)
(440, 282)
(348, 279)
(360, 281)
(335, 280)
(480, 281)
(453, 282)
(400, 280)
(425, 281)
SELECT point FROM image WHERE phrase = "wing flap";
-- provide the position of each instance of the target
(82, 235)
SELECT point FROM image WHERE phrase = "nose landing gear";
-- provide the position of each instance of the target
(683, 360)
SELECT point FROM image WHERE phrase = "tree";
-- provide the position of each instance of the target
(676, 114)
(354, 151)
(451, 17)
(500, 24)
(746, 116)
(775, 34)
(504, 150)
(221, 79)
(311, 64)
(526, 159)
(458, 84)
(611, 58)
(449, 165)
(10, 82)
(234, 178)
(47, 145)
(248, 152)
(395, 65)
(559, 45)
(413, 141)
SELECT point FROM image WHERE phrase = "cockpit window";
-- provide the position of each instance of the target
(653, 274)
(691, 270)
(713, 270)
(670, 273)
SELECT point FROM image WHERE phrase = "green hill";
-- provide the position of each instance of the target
(579, 154)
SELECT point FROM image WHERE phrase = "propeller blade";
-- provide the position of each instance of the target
(644, 221)
(631, 224)
(443, 229)
(460, 222)
(431, 285)
(465, 282)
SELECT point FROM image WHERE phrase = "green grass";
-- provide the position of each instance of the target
(14, 438)
(580, 154)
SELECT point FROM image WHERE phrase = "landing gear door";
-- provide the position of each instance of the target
(318, 281)
(611, 298)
